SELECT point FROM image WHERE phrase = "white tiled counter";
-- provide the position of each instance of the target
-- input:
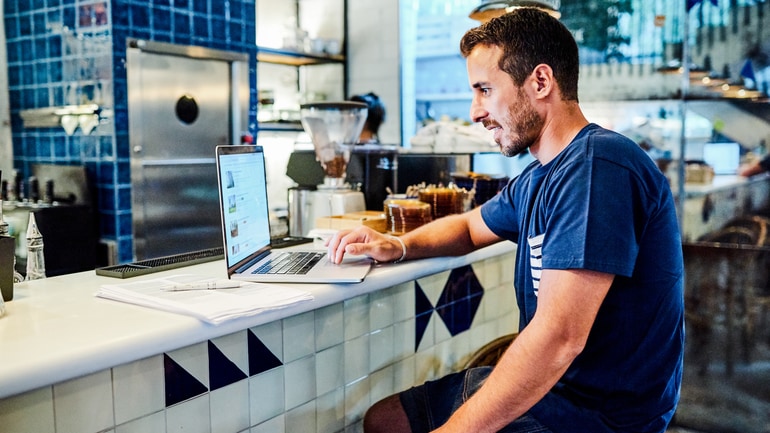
(71, 362)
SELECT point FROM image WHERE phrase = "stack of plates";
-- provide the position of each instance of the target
(483, 186)
(405, 215)
(444, 200)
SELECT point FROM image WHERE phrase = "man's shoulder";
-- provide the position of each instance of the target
(598, 134)
(607, 144)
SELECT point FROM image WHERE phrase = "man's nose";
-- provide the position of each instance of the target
(478, 113)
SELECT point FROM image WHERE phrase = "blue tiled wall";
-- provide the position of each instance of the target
(64, 52)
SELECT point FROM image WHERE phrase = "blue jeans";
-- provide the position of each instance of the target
(430, 405)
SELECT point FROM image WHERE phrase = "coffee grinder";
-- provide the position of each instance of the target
(334, 128)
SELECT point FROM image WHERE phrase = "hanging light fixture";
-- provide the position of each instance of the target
(489, 9)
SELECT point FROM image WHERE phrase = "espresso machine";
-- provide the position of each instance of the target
(334, 128)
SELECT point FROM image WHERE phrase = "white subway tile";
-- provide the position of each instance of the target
(298, 336)
(273, 425)
(356, 316)
(230, 407)
(330, 369)
(299, 379)
(191, 416)
(266, 395)
(404, 374)
(447, 359)
(403, 339)
(492, 304)
(356, 427)
(138, 388)
(508, 301)
(381, 384)
(155, 422)
(381, 348)
(330, 412)
(356, 358)
(426, 365)
(440, 329)
(357, 400)
(329, 329)
(507, 268)
(302, 418)
(403, 301)
(381, 309)
(28, 412)
(90, 395)
(460, 347)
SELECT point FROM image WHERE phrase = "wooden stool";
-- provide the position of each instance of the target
(490, 353)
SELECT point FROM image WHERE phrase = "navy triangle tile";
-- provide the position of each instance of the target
(261, 358)
(423, 309)
(421, 302)
(180, 384)
(458, 316)
(447, 313)
(222, 371)
(420, 325)
(460, 300)
(475, 302)
(462, 282)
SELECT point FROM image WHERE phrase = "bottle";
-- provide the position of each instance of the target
(35, 259)
(2, 305)
(5, 231)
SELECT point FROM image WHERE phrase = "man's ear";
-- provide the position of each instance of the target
(543, 81)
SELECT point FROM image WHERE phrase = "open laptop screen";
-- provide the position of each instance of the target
(243, 192)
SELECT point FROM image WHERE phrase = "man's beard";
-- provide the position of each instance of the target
(525, 125)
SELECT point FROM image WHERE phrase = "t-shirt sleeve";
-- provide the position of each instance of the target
(765, 163)
(499, 213)
(591, 222)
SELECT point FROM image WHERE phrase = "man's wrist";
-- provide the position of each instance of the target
(403, 249)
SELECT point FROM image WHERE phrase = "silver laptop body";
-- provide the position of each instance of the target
(246, 228)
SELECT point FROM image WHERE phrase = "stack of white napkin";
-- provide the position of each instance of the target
(213, 306)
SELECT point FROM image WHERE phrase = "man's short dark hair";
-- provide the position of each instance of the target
(529, 37)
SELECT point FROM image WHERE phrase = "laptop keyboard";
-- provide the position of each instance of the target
(297, 263)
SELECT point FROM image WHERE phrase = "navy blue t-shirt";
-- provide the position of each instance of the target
(603, 205)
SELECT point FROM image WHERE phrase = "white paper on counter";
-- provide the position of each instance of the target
(212, 306)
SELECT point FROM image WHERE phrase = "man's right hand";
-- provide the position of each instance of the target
(363, 241)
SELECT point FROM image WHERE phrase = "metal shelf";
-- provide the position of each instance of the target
(281, 126)
(295, 58)
(434, 97)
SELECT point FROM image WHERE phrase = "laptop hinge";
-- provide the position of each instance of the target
(249, 263)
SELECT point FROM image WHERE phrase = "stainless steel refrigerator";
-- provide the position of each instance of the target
(182, 102)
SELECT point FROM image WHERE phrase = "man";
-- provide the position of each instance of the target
(599, 262)
(375, 115)
(757, 166)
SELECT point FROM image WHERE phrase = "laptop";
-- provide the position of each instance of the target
(246, 229)
(724, 158)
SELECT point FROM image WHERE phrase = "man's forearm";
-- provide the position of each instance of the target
(453, 235)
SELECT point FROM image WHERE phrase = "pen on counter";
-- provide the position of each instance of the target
(204, 285)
